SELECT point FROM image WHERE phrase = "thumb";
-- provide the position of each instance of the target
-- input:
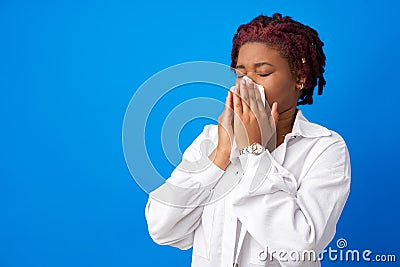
(227, 114)
(229, 104)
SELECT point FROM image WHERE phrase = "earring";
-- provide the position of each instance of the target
(301, 86)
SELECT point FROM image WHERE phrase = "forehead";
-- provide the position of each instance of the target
(253, 52)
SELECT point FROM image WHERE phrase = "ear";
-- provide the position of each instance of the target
(300, 83)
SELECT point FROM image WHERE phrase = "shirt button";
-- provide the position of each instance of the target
(237, 172)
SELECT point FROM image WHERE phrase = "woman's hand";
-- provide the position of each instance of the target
(252, 122)
(221, 154)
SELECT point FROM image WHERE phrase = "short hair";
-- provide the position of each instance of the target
(298, 43)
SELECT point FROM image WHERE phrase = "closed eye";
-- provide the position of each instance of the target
(263, 74)
(239, 74)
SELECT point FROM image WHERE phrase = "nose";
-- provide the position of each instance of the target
(252, 76)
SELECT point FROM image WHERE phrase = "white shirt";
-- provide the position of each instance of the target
(288, 201)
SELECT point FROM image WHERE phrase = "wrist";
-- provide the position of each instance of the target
(248, 142)
(221, 158)
(255, 149)
(223, 151)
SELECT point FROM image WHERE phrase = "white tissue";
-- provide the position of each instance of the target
(259, 87)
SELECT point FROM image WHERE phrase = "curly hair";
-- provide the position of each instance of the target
(298, 43)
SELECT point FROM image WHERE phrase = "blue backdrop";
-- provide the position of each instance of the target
(68, 70)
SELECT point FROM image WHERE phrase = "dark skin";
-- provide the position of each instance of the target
(251, 122)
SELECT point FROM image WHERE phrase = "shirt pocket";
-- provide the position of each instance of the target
(203, 233)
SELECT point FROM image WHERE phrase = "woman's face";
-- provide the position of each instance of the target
(266, 66)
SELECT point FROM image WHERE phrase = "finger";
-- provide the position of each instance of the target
(229, 100)
(268, 109)
(228, 111)
(237, 102)
(244, 95)
(274, 115)
(252, 97)
(260, 104)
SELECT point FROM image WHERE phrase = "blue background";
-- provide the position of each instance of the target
(69, 68)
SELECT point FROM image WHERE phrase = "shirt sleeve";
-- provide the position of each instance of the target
(281, 214)
(173, 210)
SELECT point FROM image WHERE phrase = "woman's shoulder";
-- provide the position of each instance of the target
(210, 130)
(208, 134)
(309, 129)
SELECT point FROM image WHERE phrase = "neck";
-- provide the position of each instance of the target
(285, 123)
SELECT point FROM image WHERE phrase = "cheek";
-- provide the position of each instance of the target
(274, 90)
(283, 92)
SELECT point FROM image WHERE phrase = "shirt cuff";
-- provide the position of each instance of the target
(210, 174)
(255, 169)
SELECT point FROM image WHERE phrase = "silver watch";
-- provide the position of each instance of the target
(255, 149)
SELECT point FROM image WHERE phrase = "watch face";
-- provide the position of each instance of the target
(257, 148)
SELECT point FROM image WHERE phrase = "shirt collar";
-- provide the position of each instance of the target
(301, 127)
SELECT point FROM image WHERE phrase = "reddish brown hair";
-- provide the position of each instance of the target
(298, 43)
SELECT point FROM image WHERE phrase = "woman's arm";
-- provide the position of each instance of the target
(173, 210)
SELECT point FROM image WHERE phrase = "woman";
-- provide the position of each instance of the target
(246, 203)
